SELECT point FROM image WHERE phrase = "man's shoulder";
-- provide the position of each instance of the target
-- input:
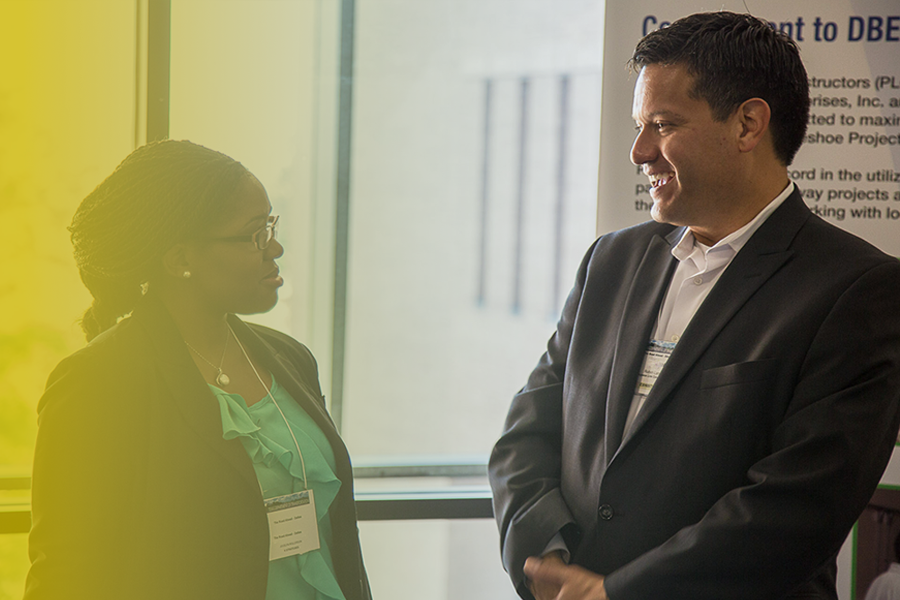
(831, 246)
(624, 249)
(639, 234)
(834, 235)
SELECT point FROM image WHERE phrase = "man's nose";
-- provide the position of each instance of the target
(643, 150)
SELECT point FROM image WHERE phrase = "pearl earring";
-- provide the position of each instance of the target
(186, 275)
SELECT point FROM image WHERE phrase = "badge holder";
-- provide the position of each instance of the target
(292, 524)
(293, 527)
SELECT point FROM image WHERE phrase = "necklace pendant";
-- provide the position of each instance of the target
(222, 379)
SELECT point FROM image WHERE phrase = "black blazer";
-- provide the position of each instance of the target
(761, 442)
(135, 492)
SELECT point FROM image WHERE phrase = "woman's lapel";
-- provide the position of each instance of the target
(189, 393)
(286, 373)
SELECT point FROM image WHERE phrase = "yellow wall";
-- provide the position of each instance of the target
(66, 120)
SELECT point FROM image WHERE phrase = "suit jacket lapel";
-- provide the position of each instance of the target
(638, 319)
(288, 377)
(189, 392)
(765, 252)
(343, 511)
(291, 380)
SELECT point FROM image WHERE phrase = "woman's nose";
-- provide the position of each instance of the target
(274, 249)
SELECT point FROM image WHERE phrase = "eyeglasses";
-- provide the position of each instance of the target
(262, 237)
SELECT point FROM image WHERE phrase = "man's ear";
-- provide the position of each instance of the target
(175, 262)
(754, 116)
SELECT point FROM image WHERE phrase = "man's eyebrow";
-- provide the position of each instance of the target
(667, 114)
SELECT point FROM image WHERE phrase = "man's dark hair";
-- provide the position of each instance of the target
(734, 57)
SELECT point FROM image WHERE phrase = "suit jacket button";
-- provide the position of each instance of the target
(606, 512)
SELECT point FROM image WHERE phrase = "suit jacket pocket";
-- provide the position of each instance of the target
(745, 372)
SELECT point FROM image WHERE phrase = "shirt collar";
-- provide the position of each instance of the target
(736, 239)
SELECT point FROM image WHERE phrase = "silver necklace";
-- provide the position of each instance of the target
(221, 378)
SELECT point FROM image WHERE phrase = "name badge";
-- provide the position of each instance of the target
(293, 528)
(655, 359)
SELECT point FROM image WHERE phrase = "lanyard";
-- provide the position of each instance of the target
(269, 393)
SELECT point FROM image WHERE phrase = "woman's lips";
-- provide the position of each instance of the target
(273, 279)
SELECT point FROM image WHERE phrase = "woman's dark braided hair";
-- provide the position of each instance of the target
(161, 194)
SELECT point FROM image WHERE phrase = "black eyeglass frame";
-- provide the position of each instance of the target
(270, 229)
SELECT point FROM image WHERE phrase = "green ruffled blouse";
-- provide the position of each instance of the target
(267, 440)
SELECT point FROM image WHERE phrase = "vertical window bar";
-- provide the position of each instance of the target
(342, 220)
(519, 233)
(485, 192)
(560, 192)
(140, 72)
(159, 28)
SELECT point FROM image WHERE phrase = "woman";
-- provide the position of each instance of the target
(164, 467)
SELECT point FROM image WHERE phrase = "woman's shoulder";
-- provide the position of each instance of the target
(289, 348)
(101, 361)
(282, 342)
(108, 344)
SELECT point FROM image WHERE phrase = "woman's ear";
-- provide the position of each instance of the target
(176, 263)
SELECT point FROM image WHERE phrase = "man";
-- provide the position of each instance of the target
(887, 585)
(721, 394)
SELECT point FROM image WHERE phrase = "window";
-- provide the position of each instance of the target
(472, 185)
(434, 165)
(434, 210)
(473, 194)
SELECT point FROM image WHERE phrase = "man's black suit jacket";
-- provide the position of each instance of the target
(135, 492)
(761, 442)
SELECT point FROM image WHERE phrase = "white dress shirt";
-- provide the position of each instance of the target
(699, 268)
(886, 586)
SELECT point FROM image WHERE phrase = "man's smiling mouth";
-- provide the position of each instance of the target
(660, 179)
